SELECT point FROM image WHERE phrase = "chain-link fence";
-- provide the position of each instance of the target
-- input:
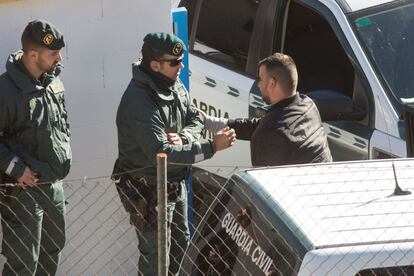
(99, 239)
(331, 219)
(100, 235)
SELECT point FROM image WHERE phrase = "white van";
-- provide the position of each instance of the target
(355, 58)
(321, 219)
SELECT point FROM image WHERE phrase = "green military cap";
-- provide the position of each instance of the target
(165, 43)
(46, 34)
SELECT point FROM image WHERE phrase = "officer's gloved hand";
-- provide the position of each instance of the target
(213, 124)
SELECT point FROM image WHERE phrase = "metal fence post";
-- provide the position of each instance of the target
(162, 213)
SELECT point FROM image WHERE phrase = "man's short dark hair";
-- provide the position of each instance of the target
(149, 54)
(282, 68)
(28, 41)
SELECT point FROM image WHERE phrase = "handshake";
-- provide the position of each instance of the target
(224, 136)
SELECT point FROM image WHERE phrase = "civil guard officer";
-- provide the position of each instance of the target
(35, 153)
(156, 116)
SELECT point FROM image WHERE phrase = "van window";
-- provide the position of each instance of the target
(224, 30)
(322, 63)
(206, 186)
(387, 33)
(238, 237)
(395, 270)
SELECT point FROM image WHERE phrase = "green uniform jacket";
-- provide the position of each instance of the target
(33, 124)
(145, 115)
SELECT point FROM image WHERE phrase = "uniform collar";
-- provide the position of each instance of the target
(22, 78)
(144, 78)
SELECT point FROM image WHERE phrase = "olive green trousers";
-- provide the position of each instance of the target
(33, 226)
(178, 236)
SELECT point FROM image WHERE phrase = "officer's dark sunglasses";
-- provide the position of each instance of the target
(173, 62)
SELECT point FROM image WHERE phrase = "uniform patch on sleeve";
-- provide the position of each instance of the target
(57, 87)
(32, 104)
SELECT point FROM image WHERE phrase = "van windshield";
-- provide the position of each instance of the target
(387, 32)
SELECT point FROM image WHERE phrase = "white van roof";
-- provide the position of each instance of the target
(356, 5)
(340, 204)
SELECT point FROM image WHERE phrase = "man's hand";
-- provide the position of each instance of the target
(224, 138)
(174, 138)
(213, 124)
(28, 179)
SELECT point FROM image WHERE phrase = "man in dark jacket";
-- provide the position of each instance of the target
(156, 115)
(291, 131)
(34, 153)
